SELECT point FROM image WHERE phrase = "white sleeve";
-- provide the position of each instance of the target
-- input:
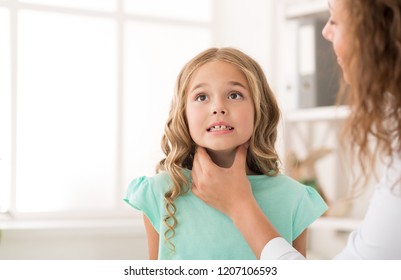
(279, 249)
(379, 236)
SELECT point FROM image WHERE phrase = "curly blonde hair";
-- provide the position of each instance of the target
(179, 148)
(375, 78)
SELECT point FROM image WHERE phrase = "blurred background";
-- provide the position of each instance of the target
(85, 89)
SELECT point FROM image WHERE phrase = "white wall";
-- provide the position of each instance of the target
(250, 26)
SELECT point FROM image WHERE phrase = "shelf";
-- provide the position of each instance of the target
(329, 113)
(299, 9)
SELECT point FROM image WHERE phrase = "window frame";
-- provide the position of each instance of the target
(14, 219)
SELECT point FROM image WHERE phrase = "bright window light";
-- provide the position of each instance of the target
(84, 97)
(5, 112)
(66, 113)
(102, 5)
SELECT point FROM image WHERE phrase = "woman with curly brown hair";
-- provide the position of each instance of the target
(366, 37)
(222, 101)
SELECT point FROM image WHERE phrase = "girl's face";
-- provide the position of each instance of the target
(335, 31)
(219, 108)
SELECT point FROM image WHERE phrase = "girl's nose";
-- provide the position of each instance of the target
(219, 111)
(219, 108)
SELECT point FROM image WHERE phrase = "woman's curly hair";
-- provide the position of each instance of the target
(178, 146)
(374, 73)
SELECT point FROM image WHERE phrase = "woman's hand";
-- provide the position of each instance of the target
(229, 191)
(222, 188)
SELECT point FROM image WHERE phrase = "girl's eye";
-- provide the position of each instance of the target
(235, 95)
(200, 97)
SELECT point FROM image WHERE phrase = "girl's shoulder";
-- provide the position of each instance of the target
(279, 180)
(283, 185)
(289, 192)
(157, 184)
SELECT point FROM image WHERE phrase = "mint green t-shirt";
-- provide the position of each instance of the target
(205, 233)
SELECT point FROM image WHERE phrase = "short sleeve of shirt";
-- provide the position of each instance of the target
(140, 196)
(310, 207)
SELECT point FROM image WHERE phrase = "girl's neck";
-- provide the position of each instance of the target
(225, 159)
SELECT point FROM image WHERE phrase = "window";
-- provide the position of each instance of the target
(5, 111)
(84, 94)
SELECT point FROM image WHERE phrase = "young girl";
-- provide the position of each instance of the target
(222, 103)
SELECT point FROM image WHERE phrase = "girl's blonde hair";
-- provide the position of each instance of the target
(375, 78)
(178, 146)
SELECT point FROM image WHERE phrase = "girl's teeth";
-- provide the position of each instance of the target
(220, 127)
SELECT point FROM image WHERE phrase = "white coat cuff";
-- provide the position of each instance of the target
(279, 249)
